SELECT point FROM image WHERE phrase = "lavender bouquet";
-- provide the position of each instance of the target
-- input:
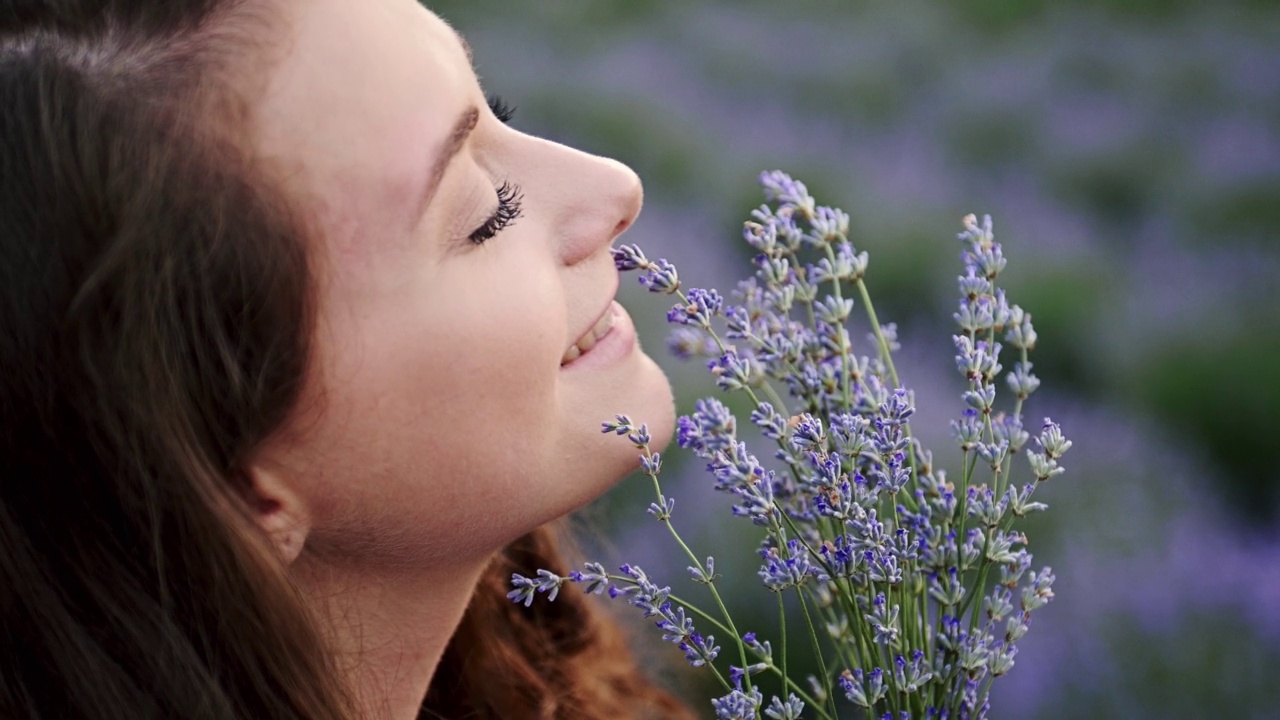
(911, 591)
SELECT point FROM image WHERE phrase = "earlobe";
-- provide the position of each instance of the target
(278, 509)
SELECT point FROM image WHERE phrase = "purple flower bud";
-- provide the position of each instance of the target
(973, 286)
(781, 188)
(620, 426)
(660, 277)
(651, 464)
(1021, 334)
(662, 509)
(702, 305)
(1052, 441)
(1021, 381)
(629, 257)
(733, 371)
(829, 225)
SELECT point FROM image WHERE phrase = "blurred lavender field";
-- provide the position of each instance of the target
(1130, 154)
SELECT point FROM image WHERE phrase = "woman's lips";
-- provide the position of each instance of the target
(612, 337)
(591, 337)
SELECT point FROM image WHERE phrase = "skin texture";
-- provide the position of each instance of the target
(437, 423)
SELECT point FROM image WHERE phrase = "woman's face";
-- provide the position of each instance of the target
(440, 419)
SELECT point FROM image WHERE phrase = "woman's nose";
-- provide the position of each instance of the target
(599, 198)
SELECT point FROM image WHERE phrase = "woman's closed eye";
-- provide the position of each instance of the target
(500, 108)
(509, 197)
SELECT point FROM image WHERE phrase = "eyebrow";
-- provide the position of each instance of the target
(450, 148)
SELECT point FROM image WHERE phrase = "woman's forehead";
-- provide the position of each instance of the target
(363, 96)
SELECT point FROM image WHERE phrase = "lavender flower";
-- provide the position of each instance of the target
(921, 584)
(701, 306)
(526, 588)
(790, 709)
(738, 705)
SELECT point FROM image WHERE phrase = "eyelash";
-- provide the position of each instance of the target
(509, 197)
(500, 108)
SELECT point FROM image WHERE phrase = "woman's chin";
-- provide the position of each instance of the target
(639, 391)
(656, 408)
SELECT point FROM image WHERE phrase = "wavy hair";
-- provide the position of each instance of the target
(155, 316)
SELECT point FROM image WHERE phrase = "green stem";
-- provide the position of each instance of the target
(695, 610)
(789, 684)
(782, 623)
(817, 651)
(887, 355)
(962, 500)
(979, 588)
(778, 403)
(906, 614)
(852, 607)
(715, 594)
(1017, 414)
(711, 585)
(846, 397)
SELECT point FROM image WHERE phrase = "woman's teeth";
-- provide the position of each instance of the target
(588, 341)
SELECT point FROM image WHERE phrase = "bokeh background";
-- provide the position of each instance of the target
(1130, 154)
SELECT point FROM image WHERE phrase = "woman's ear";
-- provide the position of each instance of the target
(278, 509)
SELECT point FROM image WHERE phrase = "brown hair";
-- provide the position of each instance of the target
(155, 312)
(561, 659)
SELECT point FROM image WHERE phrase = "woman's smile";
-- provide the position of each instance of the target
(611, 338)
(589, 339)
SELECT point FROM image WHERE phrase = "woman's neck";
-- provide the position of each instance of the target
(389, 629)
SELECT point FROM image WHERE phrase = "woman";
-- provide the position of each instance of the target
(302, 347)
